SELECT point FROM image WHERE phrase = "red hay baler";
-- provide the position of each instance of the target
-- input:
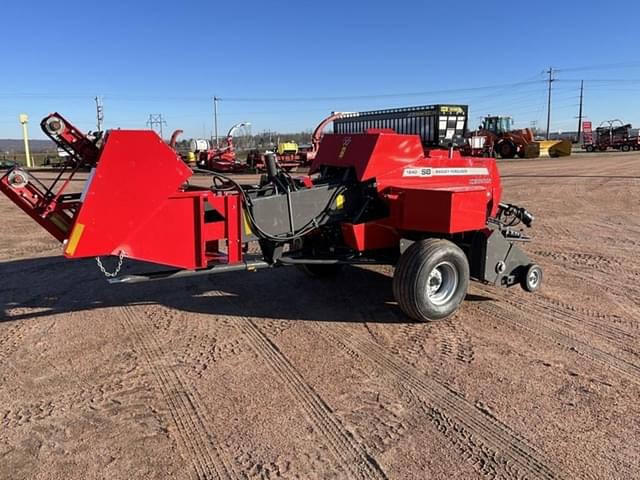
(375, 197)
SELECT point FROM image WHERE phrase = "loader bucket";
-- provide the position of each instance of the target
(531, 150)
(555, 148)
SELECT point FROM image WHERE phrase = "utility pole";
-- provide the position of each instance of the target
(551, 79)
(155, 119)
(99, 112)
(215, 119)
(580, 111)
(24, 119)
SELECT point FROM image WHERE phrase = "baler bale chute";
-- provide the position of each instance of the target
(373, 196)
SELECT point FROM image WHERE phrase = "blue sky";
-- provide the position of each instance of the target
(171, 57)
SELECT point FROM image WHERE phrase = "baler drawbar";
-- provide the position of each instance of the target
(371, 197)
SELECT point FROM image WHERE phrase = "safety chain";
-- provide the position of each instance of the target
(118, 267)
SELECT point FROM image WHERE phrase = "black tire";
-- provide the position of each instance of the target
(507, 149)
(321, 270)
(625, 148)
(532, 278)
(417, 267)
(590, 148)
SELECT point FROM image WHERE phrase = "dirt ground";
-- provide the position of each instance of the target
(274, 375)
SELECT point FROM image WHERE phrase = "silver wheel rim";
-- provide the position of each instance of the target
(533, 278)
(442, 283)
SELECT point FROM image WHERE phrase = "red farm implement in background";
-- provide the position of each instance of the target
(216, 158)
(300, 157)
(373, 196)
(610, 134)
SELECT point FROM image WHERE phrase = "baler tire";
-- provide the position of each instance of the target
(321, 270)
(416, 268)
(532, 278)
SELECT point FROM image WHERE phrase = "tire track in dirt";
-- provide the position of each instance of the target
(379, 419)
(353, 458)
(125, 396)
(606, 279)
(494, 449)
(623, 295)
(453, 342)
(553, 230)
(560, 315)
(539, 328)
(19, 416)
(585, 312)
(621, 235)
(448, 342)
(628, 289)
(608, 266)
(10, 339)
(197, 442)
(593, 261)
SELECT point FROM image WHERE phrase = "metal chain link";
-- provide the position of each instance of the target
(118, 267)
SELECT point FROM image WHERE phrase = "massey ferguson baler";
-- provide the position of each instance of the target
(372, 196)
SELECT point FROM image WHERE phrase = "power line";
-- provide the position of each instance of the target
(133, 97)
(375, 96)
(606, 66)
(602, 80)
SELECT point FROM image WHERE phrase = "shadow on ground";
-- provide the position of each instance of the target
(53, 285)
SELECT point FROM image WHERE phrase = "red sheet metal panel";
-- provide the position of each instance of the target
(170, 236)
(370, 235)
(439, 210)
(371, 154)
(128, 196)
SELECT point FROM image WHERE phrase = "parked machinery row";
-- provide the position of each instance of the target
(612, 134)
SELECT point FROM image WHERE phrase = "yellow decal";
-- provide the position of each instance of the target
(247, 227)
(76, 233)
(451, 109)
(340, 201)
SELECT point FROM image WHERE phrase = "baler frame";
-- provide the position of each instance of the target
(370, 198)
